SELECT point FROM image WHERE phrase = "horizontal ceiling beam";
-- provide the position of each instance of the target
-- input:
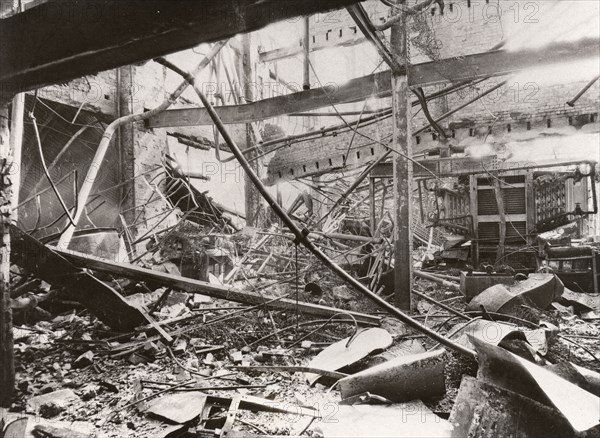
(480, 65)
(500, 62)
(463, 166)
(377, 84)
(57, 41)
(442, 167)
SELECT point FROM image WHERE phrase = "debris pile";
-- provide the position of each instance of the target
(268, 343)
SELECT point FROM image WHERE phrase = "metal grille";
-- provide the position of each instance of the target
(514, 201)
(511, 179)
(550, 201)
(489, 232)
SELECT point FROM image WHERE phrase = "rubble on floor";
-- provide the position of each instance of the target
(276, 346)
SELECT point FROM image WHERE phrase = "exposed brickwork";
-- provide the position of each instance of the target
(142, 149)
(465, 27)
(494, 113)
(97, 93)
(149, 148)
(462, 30)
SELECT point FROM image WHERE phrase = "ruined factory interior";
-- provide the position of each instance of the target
(308, 218)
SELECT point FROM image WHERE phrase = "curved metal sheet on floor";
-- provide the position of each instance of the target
(339, 355)
(509, 371)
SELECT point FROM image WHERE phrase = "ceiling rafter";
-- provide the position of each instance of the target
(106, 34)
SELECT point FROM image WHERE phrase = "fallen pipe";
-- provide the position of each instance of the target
(587, 86)
(442, 305)
(458, 108)
(90, 178)
(438, 280)
(301, 235)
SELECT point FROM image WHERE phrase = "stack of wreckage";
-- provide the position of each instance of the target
(215, 331)
(290, 328)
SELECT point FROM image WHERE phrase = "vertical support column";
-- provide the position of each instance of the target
(126, 147)
(318, 198)
(530, 209)
(403, 172)
(16, 144)
(597, 216)
(372, 206)
(306, 48)
(497, 184)
(126, 142)
(475, 220)
(252, 195)
(7, 364)
(595, 272)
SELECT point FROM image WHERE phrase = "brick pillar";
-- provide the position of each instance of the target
(403, 179)
(7, 365)
(252, 195)
(144, 209)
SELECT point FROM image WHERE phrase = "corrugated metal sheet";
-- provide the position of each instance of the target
(514, 201)
(489, 232)
(509, 179)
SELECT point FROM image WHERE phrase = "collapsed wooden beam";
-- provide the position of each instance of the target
(480, 65)
(189, 285)
(99, 298)
(105, 34)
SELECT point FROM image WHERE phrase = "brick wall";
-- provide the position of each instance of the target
(95, 93)
(503, 114)
(148, 147)
(465, 27)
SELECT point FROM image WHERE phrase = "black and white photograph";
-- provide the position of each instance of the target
(299, 218)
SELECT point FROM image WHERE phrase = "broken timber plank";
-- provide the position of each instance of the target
(161, 331)
(197, 286)
(99, 298)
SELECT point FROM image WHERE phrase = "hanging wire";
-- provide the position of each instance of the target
(37, 99)
(43, 161)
